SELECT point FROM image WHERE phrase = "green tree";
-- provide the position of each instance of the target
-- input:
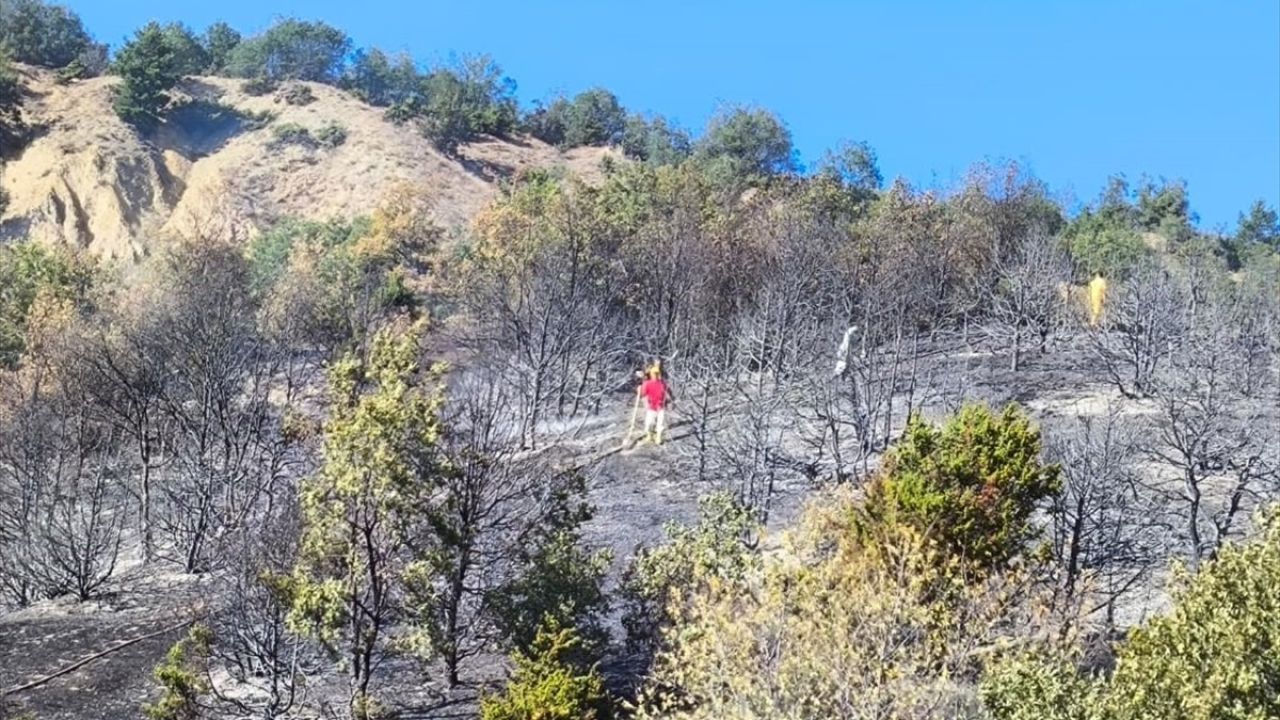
(548, 684)
(748, 142)
(378, 80)
(1101, 246)
(559, 580)
(594, 117)
(854, 165)
(379, 463)
(469, 99)
(292, 50)
(655, 141)
(219, 41)
(547, 121)
(1165, 209)
(1260, 227)
(27, 271)
(189, 55)
(39, 33)
(149, 69)
(1217, 655)
(972, 484)
(1040, 686)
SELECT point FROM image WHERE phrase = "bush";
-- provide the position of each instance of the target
(715, 549)
(971, 484)
(1216, 655)
(76, 70)
(258, 86)
(331, 135)
(1039, 686)
(13, 130)
(292, 134)
(561, 581)
(822, 629)
(296, 94)
(29, 270)
(183, 678)
(548, 685)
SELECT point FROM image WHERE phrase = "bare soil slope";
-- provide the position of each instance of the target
(90, 180)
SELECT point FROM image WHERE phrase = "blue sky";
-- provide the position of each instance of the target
(1074, 90)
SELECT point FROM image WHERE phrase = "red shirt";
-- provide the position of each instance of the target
(655, 391)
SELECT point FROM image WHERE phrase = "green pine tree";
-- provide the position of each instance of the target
(149, 70)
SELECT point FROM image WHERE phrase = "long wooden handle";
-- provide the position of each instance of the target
(635, 410)
(85, 661)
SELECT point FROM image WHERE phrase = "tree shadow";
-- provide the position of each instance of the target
(486, 170)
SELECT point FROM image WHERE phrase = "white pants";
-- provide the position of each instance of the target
(654, 420)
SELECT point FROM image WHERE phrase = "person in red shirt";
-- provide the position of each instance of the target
(654, 392)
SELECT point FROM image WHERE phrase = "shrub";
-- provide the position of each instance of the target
(183, 678)
(296, 94)
(548, 685)
(76, 70)
(29, 270)
(292, 134)
(561, 582)
(1039, 686)
(256, 120)
(13, 130)
(258, 86)
(823, 629)
(331, 135)
(1216, 655)
(715, 549)
(972, 484)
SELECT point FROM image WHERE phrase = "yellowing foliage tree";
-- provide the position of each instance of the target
(830, 627)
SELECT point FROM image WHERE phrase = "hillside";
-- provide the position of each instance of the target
(88, 179)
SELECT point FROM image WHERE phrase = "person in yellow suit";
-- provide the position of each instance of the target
(1097, 299)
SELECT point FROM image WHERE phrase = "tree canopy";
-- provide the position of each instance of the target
(41, 33)
(291, 50)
